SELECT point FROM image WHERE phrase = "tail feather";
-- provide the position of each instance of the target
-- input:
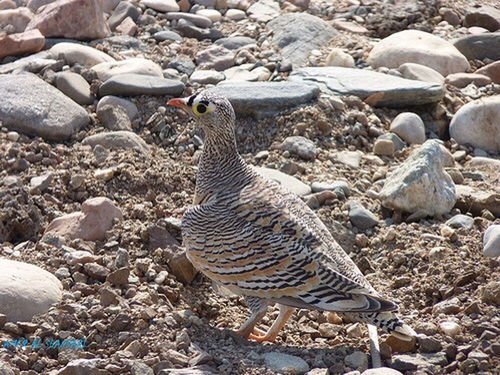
(386, 321)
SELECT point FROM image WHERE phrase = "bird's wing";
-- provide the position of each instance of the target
(264, 241)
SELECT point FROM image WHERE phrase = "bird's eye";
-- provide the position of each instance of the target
(200, 109)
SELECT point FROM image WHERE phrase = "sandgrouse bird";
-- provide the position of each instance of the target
(252, 236)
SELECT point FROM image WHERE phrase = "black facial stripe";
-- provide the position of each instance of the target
(191, 99)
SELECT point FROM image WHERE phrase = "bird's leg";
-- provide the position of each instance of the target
(272, 333)
(258, 306)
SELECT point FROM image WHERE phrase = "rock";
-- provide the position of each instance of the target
(352, 27)
(31, 106)
(409, 127)
(449, 328)
(450, 16)
(182, 65)
(7, 4)
(123, 10)
(461, 221)
(127, 27)
(215, 57)
(35, 62)
(381, 371)
(77, 19)
(478, 123)
(381, 89)
(383, 147)
(194, 19)
(418, 47)
(300, 146)
(491, 293)
(163, 35)
(463, 79)
(19, 18)
(116, 102)
(119, 277)
(491, 70)
(118, 140)
(114, 117)
(5, 369)
(235, 42)
(337, 57)
(428, 344)
(162, 5)
(473, 200)
(181, 267)
(285, 363)
(329, 330)
(420, 72)
(138, 84)
(360, 217)
(241, 73)
(80, 367)
(80, 257)
(486, 16)
(291, 183)
(138, 367)
(96, 271)
(206, 77)
(188, 30)
(420, 185)
(18, 44)
(41, 182)
(479, 47)
(74, 86)
(19, 216)
(273, 96)
(74, 53)
(296, 34)
(451, 306)
(235, 14)
(413, 362)
(212, 14)
(357, 360)
(349, 158)
(107, 70)
(340, 187)
(263, 10)
(90, 224)
(491, 241)
(26, 290)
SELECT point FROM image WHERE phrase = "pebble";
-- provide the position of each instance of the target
(31, 106)
(409, 127)
(451, 306)
(340, 187)
(475, 201)
(215, 57)
(381, 371)
(337, 57)
(449, 328)
(212, 14)
(350, 158)
(19, 18)
(127, 27)
(107, 70)
(415, 46)
(300, 146)
(491, 293)
(462, 80)
(460, 221)
(119, 277)
(123, 10)
(491, 70)
(477, 123)
(162, 5)
(420, 73)
(206, 77)
(118, 140)
(195, 19)
(428, 344)
(361, 217)
(383, 147)
(138, 84)
(357, 360)
(291, 183)
(75, 53)
(486, 16)
(235, 14)
(75, 87)
(273, 96)
(117, 102)
(41, 182)
(280, 362)
(163, 35)
(26, 290)
(390, 90)
(420, 185)
(491, 241)
(263, 10)
(18, 44)
(479, 47)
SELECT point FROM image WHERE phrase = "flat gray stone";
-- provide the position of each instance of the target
(491, 241)
(163, 35)
(32, 63)
(75, 87)
(289, 182)
(26, 290)
(252, 97)
(285, 363)
(480, 46)
(138, 84)
(296, 34)
(460, 221)
(360, 216)
(235, 42)
(391, 91)
(31, 106)
(118, 140)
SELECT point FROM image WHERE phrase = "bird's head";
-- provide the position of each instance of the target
(211, 111)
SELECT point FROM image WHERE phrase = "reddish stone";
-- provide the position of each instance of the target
(463, 79)
(127, 27)
(491, 70)
(78, 19)
(18, 44)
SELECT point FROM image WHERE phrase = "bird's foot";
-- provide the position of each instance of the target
(257, 335)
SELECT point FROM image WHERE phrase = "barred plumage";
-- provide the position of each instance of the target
(258, 240)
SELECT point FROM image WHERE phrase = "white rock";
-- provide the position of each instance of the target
(285, 363)
(300, 146)
(409, 127)
(115, 101)
(289, 182)
(449, 328)
(162, 5)
(349, 158)
(420, 73)
(357, 360)
(263, 10)
(337, 57)
(381, 371)
(418, 47)
(420, 185)
(491, 241)
(26, 290)
(73, 53)
(212, 14)
(478, 123)
(205, 77)
(137, 65)
(235, 14)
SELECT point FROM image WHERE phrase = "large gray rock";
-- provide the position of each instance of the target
(420, 185)
(296, 34)
(289, 182)
(118, 140)
(383, 89)
(415, 46)
(75, 87)
(138, 84)
(33, 107)
(480, 46)
(74, 53)
(272, 96)
(26, 290)
(478, 123)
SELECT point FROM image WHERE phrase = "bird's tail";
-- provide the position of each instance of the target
(386, 321)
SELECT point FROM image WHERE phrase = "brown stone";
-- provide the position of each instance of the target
(491, 70)
(78, 19)
(463, 79)
(485, 16)
(181, 267)
(127, 27)
(470, 199)
(119, 277)
(17, 44)
(400, 346)
(19, 18)
(349, 26)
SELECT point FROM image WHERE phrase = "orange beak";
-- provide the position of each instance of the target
(178, 102)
